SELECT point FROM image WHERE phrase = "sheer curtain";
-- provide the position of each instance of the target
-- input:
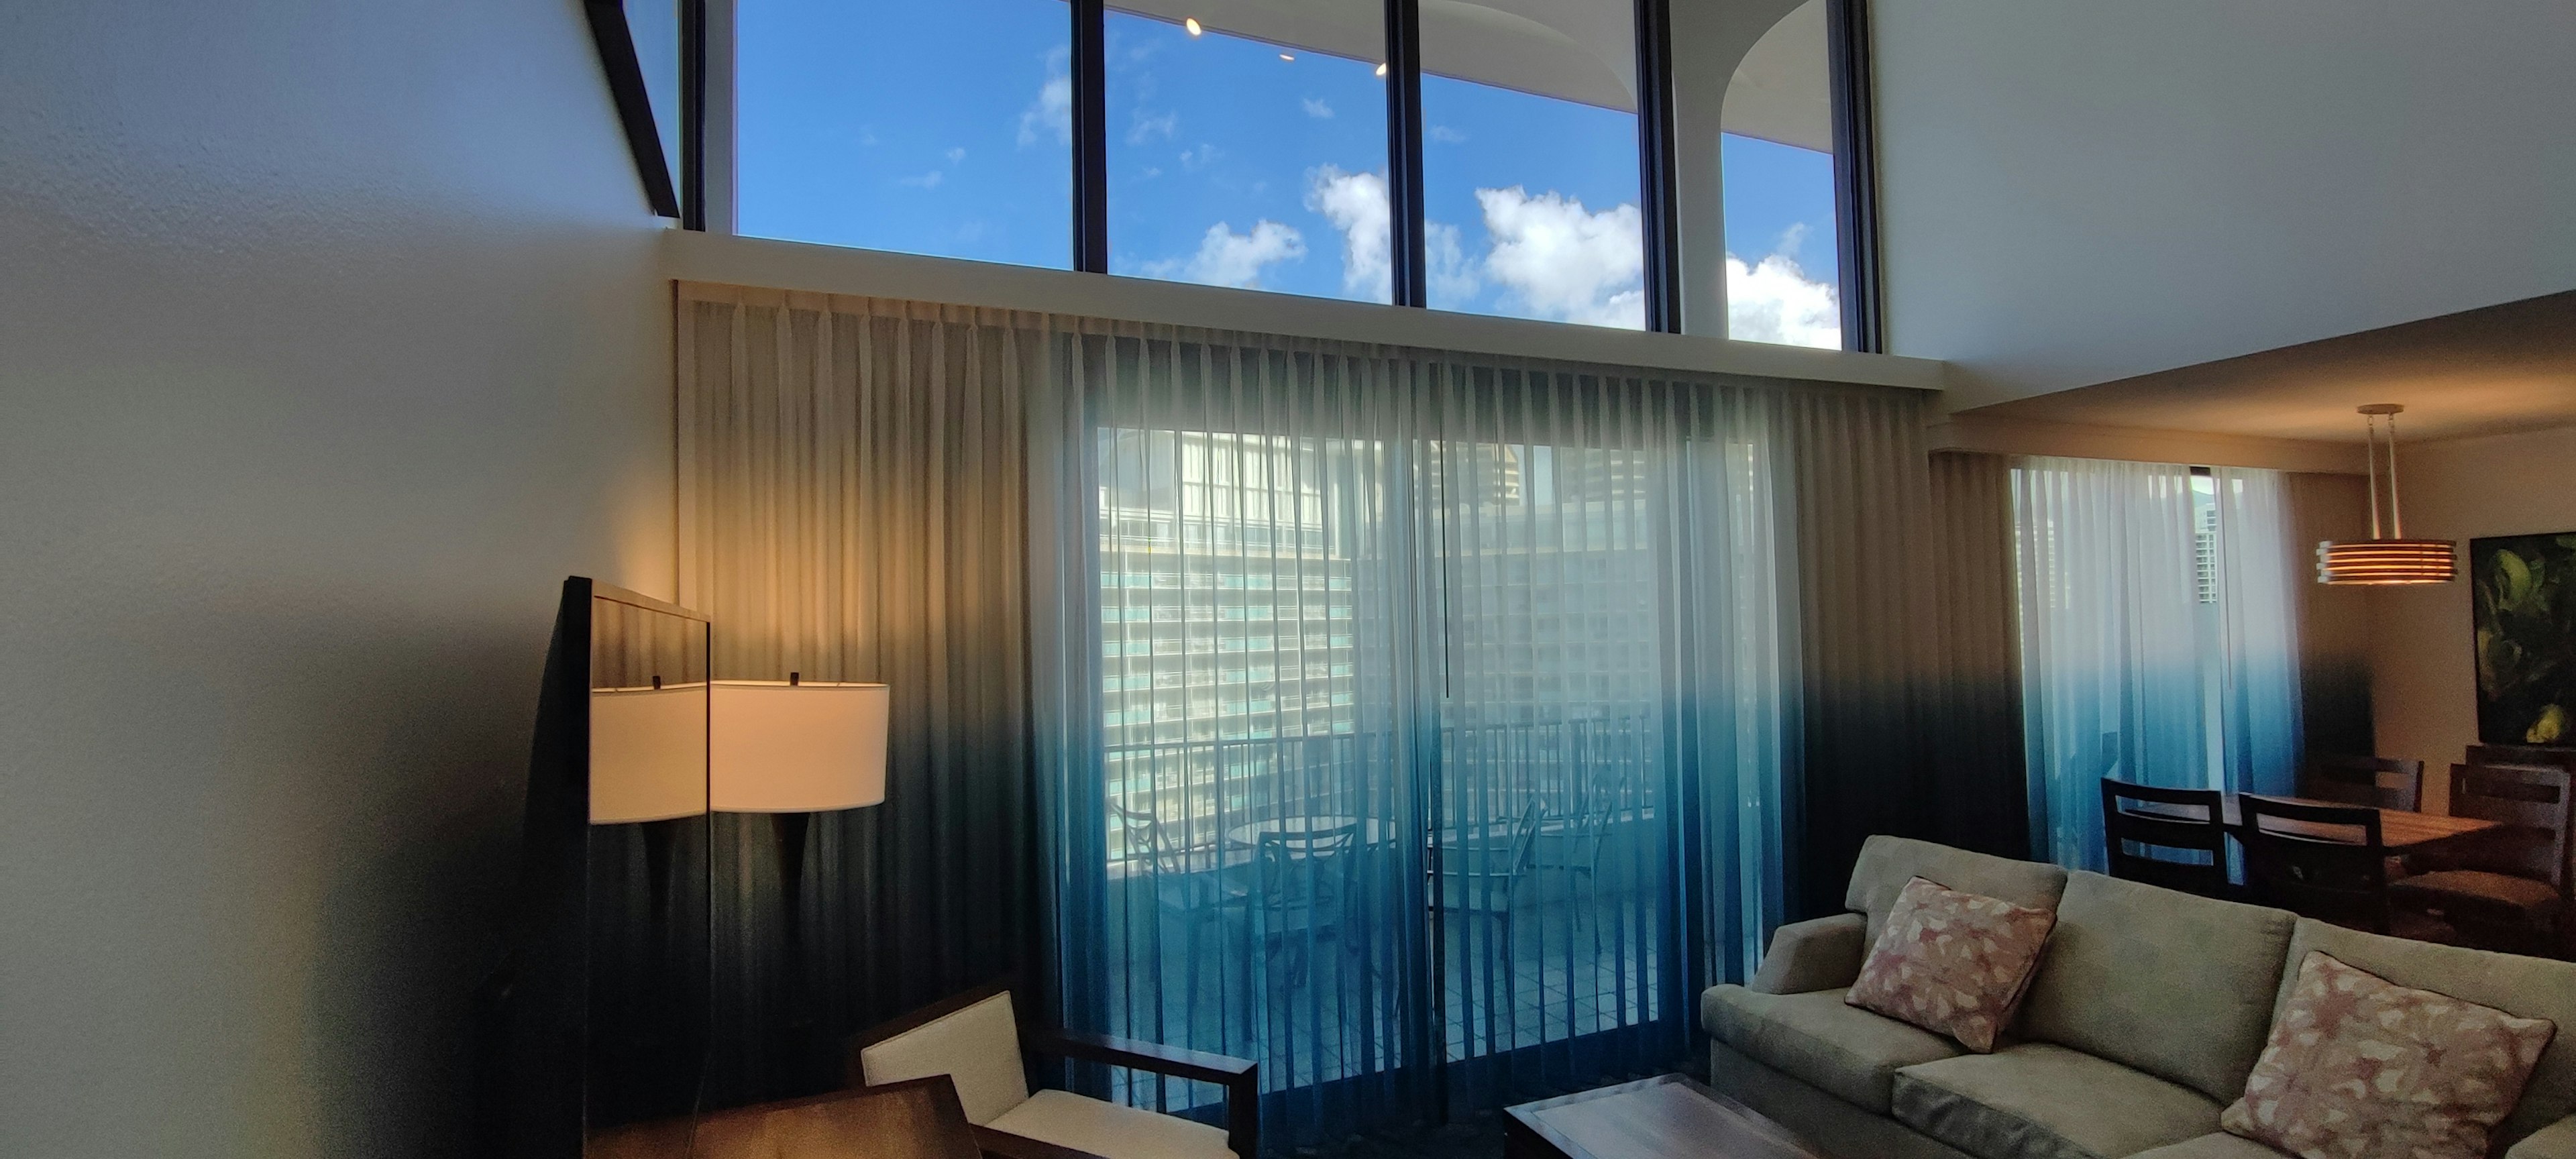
(2260, 564)
(851, 506)
(2110, 628)
(1428, 727)
(1439, 703)
(2158, 637)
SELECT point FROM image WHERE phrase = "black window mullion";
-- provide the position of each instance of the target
(1090, 136)
(615, 40)
(693, 115)
(1405, 241)
(1855, 172)
(1657, 190)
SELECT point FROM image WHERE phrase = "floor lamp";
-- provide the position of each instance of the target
(793, 748)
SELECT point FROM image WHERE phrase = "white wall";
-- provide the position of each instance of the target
(2423, 684)
(2074, 193)
(331, 339)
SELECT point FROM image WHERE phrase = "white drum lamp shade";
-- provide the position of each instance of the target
(648, 753)
(809, 747)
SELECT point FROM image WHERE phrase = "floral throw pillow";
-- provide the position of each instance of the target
(1952, 963)
(2358, 1065)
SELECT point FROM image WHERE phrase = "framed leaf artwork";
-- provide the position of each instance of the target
(2525, 598)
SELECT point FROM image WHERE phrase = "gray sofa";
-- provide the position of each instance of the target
(2148, 1011)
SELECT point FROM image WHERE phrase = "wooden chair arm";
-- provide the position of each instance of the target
(1241, 1077)
(1178, 1062)
(1005, 1145)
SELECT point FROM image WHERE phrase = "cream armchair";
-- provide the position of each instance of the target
(977, 1041)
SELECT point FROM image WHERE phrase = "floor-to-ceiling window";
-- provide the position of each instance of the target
(1406, 679)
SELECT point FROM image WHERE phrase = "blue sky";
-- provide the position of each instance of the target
(943, 129)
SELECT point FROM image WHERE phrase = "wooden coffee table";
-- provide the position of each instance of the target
(1665, 1117)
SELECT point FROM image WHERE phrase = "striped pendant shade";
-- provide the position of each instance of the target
(2387, 561)
(2396, 559)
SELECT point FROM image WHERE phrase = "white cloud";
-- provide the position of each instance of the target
(1227, 258)
(1774, 301)
(1356, 205)
(1445, 135)
(928, 180)
(1146, 128)
(957, 154)
(1201, 157)
(1453, 277)
(1318, 109)
(1564, 262)
(1052, 111)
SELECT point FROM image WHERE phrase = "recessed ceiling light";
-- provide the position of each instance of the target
(1381, 70)
(1285, 56)
(1192, 23)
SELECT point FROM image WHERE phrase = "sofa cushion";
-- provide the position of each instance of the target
(1849, 1052)
(1086, 1124)
(1952, 963)
(2358, 1066)
(2038, 1101)
(2217, 1146)
(2520, 986)
(2174, 985)
(1887, 863)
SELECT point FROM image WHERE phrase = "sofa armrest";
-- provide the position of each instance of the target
(2555, 1141)
(1818, 954)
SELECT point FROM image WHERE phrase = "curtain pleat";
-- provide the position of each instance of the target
(1975, 733)
(1868, 644)
(2258, 572)
(2111, 676)
(852, 507)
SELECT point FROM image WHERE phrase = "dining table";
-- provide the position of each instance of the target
(2402, 831)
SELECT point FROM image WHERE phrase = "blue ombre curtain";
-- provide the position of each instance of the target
(2110, 636)
(1416, 725)
(2259, 568)
(2158, 639)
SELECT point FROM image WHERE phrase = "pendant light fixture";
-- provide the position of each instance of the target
(2394, 559)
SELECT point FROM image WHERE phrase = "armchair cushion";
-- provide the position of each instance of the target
(1111, 1130)
(1818, 954)
(977, 1046)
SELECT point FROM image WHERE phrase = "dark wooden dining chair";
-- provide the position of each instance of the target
(2523, 754)
(2378, 782)
(2179, 836)
(2327, 862)
(2508, 889)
